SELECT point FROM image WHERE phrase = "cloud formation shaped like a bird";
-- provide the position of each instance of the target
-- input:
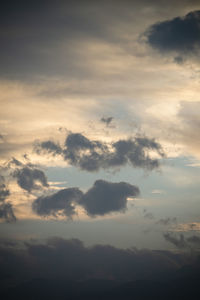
(103, 198)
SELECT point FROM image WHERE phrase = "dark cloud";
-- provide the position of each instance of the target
(70, 259)
(180, 35)
(93, 155)
(103, 198)
(192, 242)
(42, 38)
(4, 192)
(28, 178)
(178, 242)
(62, 202)
(107, 120)
(47, 146)
(195, 240)
(15, 162)
(67, 269)
(6, 212)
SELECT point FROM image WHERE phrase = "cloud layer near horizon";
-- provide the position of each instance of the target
(72, 260)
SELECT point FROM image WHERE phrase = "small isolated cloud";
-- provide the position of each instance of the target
(107, 120)
(103, 198)
(28, 178)
(93, 155)
(180, 35)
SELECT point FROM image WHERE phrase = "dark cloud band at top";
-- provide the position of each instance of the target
(180, 35)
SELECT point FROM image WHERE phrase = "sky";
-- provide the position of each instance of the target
(99, 125)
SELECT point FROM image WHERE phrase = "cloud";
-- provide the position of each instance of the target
(48, 146)
(6, 212)
(27, 178)
(148, 215)
(4, 192)
(93, 155)
(178, 242)
(64, 200)
(192, 242)
(107, 120)
(180, 35)
(70, 259)
(186, 227)
(103, 198)
(166, 221)
(195, 240)
(67, 269)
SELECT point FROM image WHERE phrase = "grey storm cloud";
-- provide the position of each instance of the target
(103, 198)
(180, 35)
(93, 155)
(6, 210)
(69, 259)
(28, 178)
